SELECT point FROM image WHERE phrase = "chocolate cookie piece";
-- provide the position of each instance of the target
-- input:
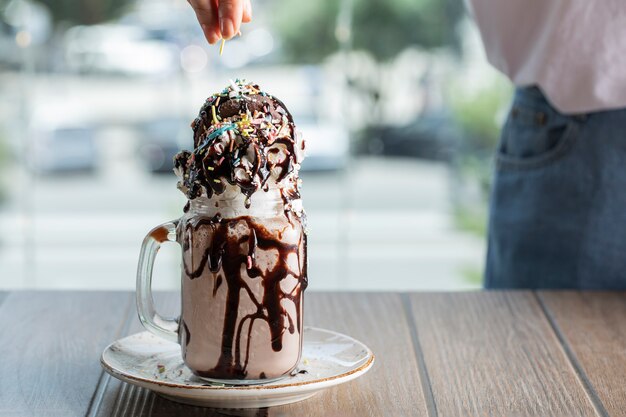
(232, 107)
(254, 103)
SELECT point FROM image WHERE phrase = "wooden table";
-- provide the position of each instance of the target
(438, 354)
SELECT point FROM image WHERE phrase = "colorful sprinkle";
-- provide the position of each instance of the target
(234, 86)
(218, 132)
(214, 115)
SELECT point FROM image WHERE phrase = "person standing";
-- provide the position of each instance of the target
(558, 203)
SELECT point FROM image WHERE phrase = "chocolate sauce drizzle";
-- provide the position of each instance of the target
(224, 256)
(186, 334)
(298, 372)
(234, 125)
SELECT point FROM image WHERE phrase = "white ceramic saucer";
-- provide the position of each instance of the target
(329, 359)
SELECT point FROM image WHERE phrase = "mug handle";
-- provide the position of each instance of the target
(150, 319)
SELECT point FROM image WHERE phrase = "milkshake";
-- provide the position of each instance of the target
(243, 236)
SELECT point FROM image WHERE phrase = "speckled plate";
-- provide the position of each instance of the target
(329, 359)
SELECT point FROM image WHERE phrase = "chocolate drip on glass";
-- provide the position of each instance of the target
(235, 256)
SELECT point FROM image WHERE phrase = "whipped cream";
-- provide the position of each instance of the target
(232, 203)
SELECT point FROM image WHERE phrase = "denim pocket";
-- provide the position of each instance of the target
(534, 135)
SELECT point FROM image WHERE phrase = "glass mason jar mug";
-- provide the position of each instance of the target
(243, 279)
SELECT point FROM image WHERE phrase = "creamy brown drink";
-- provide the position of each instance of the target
(243, 238)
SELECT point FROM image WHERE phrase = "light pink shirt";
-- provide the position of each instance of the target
(574, 50)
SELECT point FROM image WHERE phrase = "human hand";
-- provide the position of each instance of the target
(221, 19)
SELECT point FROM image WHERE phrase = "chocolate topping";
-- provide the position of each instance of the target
(242, 137)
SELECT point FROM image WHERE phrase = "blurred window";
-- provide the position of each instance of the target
(394, 97)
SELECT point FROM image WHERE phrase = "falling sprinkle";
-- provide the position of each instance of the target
(222, 46)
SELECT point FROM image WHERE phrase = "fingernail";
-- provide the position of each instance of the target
(210, 37)
(226, 27)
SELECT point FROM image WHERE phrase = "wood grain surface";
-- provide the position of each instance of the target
(49, 347)
(393, 384)
(359, 315)
(495, 354)
(453, 354)
(116, 398)
(593, 327)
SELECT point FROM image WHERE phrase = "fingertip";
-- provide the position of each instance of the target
(247, 12)
(227, 28)
(230, 17)
(215, 38)
(206, 33)
(211, 36)
(237, 25)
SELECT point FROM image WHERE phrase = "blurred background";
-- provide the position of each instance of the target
(399, 107)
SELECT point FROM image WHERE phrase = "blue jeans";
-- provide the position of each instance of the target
(558, 204)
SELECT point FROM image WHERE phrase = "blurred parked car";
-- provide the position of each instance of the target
(63, 149)
(326, 144)
(430, 137)
(160, 140)
(119, 49)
